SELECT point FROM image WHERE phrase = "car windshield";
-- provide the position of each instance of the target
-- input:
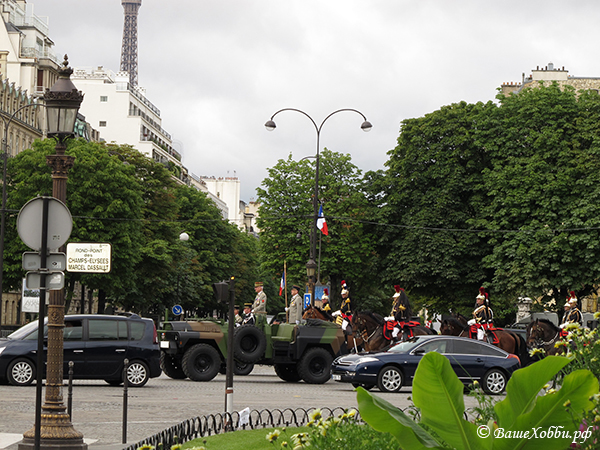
(25, 330)
(405, 346)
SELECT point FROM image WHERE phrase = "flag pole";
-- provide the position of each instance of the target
(285, 288)
(319, 260)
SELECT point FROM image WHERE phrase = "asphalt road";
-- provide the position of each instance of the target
(163, 402)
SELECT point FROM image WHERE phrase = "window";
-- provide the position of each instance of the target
(104, 98)
(436, 345)
(102, 123)
(107, 330)
(73, 330)
(467, 348)
(137, 330)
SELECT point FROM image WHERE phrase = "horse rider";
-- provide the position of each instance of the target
(572, 313)
(483, 315)
(248, 316)
(259, 307)
(401, 310)
(345, 311)
(325, 300)
(295, 309)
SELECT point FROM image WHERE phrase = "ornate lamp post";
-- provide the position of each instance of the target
(311, 266)
(56, 430)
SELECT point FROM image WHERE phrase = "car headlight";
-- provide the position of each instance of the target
(366, 359)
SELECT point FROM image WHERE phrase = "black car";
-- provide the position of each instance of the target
(390, 370)
(97, 345)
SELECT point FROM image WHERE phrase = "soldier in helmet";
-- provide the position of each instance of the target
(483, 315)
(346, 308)
(401, 310)
(572, 313)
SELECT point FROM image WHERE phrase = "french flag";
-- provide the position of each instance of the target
(321, 223)
(282, 284)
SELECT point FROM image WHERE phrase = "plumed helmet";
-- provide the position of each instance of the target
(482, 294)
(398, 289)
(345, 288)
(325, 295)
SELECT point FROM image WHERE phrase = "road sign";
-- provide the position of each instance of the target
(54, 261)
(177, 310)
(88, 257)
(54, 280)
(307, 298)
(29, 223)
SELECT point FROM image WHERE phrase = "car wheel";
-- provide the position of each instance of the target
(21, 372)
(366, 387)
(201, 362)
(494, 382)
(240, 368)
(315, 366)
(287, 372)
(390, 379)
(137, 374)
(171, 366)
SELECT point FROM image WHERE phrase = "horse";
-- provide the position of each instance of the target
(508, 341)
(370, 326)
(541, 333)
(312, 312)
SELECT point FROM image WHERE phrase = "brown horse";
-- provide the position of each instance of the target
(312, 312)
(370, 326)
(507, 341)
(542, 333)
(353, 341)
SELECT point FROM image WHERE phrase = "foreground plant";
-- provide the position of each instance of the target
(438, 393)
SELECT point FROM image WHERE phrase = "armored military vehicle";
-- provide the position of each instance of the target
(198, 349)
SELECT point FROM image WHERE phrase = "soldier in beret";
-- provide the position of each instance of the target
(260, 302)
(295, 309)
(248, 316)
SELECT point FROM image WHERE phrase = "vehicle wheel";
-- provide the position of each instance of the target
(390, 379)
(21, 372)
(494, 382)
(137, 374)
(171, 366)
(201, 362)
(114, 382)
(240, 368)
(249, 344)
(287, 372)
(315, 366)
(366, 387)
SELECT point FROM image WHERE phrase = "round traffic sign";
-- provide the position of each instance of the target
(29, 223)
(177, 310)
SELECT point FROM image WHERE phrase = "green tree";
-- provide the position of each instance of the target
(544, 185)
(432, 191)
(104, 198)
(285, 221)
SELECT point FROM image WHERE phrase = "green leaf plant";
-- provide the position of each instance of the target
(530, 417)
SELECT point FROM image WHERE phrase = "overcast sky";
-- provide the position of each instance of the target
(218, 69)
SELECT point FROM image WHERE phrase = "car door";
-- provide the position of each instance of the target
(466, 359)
(106, 347)
(74, 348)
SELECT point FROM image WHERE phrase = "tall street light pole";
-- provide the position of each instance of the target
(53, 429)
(6, 124)
(311, 265)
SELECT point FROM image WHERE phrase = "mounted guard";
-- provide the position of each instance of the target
(344, 314)
(483, 316)
(572, 313)
(400, 317)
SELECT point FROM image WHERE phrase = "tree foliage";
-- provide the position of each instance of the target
(286, 218)
(119, 196)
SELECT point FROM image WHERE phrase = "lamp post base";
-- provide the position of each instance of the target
(57, 433)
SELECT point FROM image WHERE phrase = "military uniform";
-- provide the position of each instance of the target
(483, 316)
(295, 309)
(573, 315)
(248, 316)
(260, 302)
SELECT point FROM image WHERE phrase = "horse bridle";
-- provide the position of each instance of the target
(539, 341)
(364, 334)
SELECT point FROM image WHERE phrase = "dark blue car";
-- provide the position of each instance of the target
(390, 370)
(97, 345)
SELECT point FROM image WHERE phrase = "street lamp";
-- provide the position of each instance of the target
(311, 265)
(54, 428)
(6, 124)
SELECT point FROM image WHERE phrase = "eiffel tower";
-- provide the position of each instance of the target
(129, 58)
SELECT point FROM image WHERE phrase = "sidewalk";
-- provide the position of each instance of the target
(10, 441)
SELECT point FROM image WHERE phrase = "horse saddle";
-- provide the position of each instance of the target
(389, 325)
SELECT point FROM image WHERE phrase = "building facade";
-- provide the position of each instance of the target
(122, 114)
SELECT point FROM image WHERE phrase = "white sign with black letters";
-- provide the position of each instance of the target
(88, 257)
